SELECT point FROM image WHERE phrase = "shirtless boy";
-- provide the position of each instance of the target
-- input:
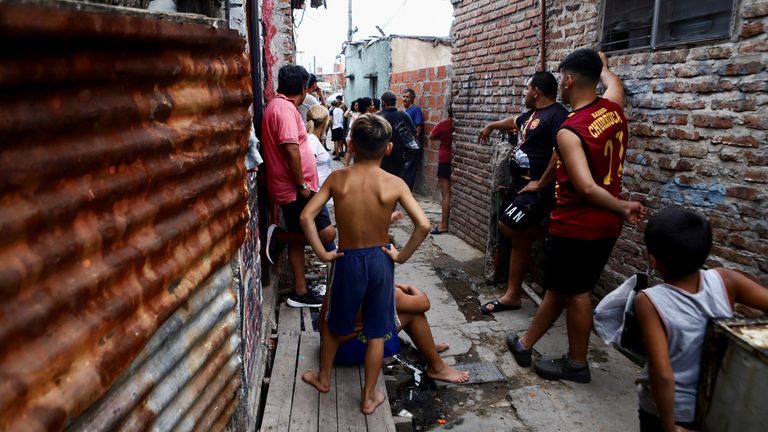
(364, 197)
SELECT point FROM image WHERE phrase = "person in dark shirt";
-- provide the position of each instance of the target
(588, 215)
(412, 158)
(393, 163)
(530, 197)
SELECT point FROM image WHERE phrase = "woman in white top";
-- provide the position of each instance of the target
(317, 123)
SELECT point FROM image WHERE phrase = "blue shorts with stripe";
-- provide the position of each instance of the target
(363, 280)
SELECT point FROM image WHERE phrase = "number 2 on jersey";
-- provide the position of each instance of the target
(609, 150)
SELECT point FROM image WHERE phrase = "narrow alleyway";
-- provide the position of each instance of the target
(450, 272)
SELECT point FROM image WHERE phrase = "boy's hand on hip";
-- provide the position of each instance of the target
(392, 252)
(330, 256)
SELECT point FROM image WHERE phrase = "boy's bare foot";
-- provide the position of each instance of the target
(369, 405)
(313, 377)
(442, 346)
(448, 374)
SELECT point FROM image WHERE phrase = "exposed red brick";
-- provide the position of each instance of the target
(735, 105)
(693, 150)
(677, 119)
(756, 122)
(644, 130)
(682, 134)
(754, 10)
(713, 121)
(743, 192)
(740, 140)
(749, 68)
(750, 244)
(749, 29)
(756, 175)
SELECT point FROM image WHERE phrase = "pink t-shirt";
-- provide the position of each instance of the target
(281, 125)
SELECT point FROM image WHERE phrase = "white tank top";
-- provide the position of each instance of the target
(685, 317)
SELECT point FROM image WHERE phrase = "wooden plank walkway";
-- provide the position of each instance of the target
(294, 406)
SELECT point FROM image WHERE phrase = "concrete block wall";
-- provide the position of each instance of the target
(697, 116)
(432, 86)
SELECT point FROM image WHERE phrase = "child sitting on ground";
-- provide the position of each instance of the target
(673, 316)
(362, 285)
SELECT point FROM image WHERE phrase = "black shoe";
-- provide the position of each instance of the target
(337, 158)
(307, 300)
(561, 369)
(522, 357)
(274, 246)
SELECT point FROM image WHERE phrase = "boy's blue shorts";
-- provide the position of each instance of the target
(363, 280)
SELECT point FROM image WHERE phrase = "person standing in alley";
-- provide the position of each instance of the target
(531, 194)
(393, 162)
(314, 97)
(443, 134)
(588, 215)
(337, 127)
(413, 157)
(292, 179)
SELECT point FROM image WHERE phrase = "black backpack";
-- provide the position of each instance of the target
(403, 135)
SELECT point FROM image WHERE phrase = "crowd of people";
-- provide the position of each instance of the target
(566, 171)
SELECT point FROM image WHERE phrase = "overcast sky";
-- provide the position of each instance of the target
(321, 31)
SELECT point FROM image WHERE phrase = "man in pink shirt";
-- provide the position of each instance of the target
(292, 179)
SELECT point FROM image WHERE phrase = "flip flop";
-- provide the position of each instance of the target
(436, 231)
(498, 307)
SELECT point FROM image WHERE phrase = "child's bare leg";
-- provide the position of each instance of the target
(372, 398)
(417, 327)
(321, 379)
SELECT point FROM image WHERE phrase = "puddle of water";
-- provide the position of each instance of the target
(462, 283)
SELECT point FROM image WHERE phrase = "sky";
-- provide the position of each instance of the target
(320, 32)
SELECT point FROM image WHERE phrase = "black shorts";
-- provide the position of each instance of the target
(292, 211)
(573, 266)
(337, 134)
(521, 211)
(444, 170)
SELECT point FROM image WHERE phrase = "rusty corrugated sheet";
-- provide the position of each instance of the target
(121, 189)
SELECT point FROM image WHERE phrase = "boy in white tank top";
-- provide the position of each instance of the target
(673, 315)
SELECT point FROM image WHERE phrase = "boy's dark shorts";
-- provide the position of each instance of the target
(337, 134)
(444, 170)
(363, 279)
(520, 211)
(573, 266)
(292, 211)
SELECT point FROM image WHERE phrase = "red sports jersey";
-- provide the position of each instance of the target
(602, 128)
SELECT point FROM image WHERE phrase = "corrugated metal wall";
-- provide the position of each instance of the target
(122, 201)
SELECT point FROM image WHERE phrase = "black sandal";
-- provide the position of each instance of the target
(498, 307)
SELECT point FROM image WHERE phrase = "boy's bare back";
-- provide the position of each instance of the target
(364, 198)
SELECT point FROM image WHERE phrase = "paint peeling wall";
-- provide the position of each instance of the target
(279, 44)
(123, 196)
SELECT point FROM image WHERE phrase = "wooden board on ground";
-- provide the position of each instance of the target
(348, 390)
(381, 420)
(327, 417)
(305, 397)
(289, 319)
(306, 320)
(276, 413)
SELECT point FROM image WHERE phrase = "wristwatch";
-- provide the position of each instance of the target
(303, 186)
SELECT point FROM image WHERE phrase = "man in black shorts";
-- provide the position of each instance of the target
(292, 179)
(337, 126)
(588, 215)
(530, 197)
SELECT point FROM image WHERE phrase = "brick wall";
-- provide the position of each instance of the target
(698, 120)
(494, 51)
(432, 86)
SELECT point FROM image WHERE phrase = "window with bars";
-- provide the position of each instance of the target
(658, 23)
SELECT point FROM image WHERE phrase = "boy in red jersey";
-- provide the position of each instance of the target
(588, 215)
